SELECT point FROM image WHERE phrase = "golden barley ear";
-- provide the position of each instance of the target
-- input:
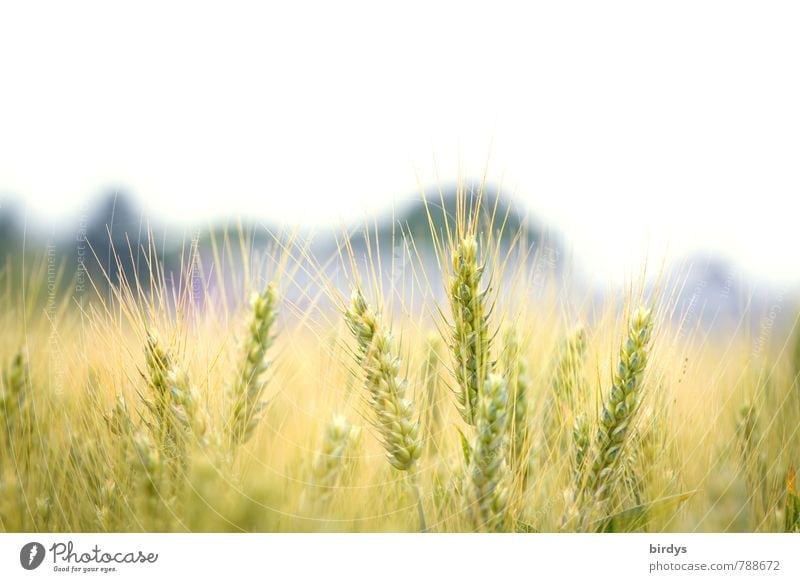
(618, 412)
(246, 403)
(489, 471)
(331, 461)
(176, 422)
(581, 442)
(515, 370)
(393, 413)
(14, 387)
(470, 338)
(567, 380)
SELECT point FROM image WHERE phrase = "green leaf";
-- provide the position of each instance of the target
(637, 517)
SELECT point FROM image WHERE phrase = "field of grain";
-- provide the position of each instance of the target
(468, 393)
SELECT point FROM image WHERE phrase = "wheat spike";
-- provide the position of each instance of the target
(470, 338)
(619, 409)
(393, 412)
(515, 367)
(332, 460)
(246, 394)
(489, 451)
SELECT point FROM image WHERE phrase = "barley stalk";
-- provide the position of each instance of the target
(247, 406)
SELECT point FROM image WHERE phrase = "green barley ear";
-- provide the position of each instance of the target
(470, 338)
(185, 406)
(146, 457)
(106, 505)
(747, 430)
(159, 362)
(393, 412)
(567, 378)
(580, 443)
(488, 460)
(752, 457)
(331, 462)
(13, 393)
(118, 419)
(247, 406)
(176, 417)
(620, 408)
(567, 390)
(515, 367)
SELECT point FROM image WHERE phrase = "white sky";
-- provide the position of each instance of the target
(627, 125)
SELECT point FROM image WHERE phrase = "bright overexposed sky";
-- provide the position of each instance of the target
(625, 125)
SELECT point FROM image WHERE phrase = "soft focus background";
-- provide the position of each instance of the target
(631, 131)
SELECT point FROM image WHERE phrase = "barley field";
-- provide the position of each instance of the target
(462, 389)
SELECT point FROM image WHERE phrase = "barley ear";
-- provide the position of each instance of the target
(189, 417)
(150, 475)
(393, 412)
(14, 393)
(619, 409)
(157, 401)
(332, 460)
(580, 442)
(470, 338)
(567, 378)
(515, 367)
(489, 472)
(246, 404)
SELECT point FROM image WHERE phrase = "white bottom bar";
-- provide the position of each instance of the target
(400, 557)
